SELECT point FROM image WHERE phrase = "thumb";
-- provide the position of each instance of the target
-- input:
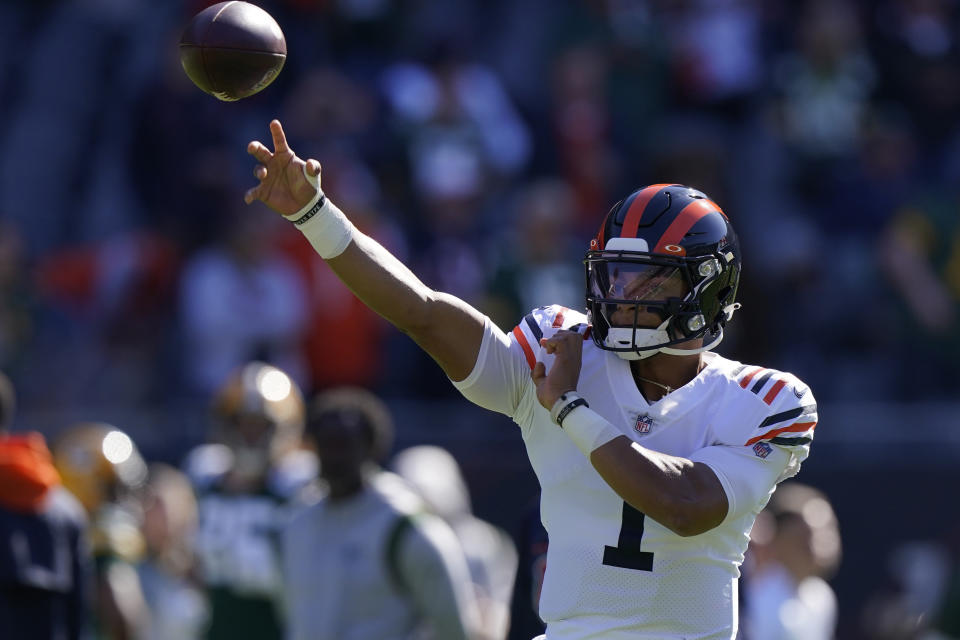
(312, 168)
(539, 373)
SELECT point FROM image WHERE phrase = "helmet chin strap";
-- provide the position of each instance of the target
(620, 337)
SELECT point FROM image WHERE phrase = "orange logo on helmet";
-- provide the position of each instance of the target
(675, 248)
(593, 243)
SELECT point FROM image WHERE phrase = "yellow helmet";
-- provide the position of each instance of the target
(259, 407)
(97, 463)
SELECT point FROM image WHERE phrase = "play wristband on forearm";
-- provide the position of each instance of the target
(323, 224)
(587, 428)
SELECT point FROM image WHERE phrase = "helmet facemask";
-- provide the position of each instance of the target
(641, 304)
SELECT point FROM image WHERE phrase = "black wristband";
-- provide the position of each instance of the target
(576, 402)
(314, 210)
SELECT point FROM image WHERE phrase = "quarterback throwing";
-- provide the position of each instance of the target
(653, 453)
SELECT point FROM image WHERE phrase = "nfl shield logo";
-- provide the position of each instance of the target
(643, 424)
(762, 449)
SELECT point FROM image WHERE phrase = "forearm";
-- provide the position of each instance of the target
(682, 495)
(384, 284)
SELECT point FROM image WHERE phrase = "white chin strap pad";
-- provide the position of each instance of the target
(621, 337)
(624, 338)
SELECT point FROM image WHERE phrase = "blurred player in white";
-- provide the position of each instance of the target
(365, 558)
(491, 553)
(654, 454)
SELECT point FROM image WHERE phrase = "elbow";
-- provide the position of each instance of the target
(688, 518)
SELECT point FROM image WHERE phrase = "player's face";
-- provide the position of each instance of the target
(343, 451)
(654, 283)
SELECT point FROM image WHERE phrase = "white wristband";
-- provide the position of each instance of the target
(323, 224)
(588, 429)
(566, 403)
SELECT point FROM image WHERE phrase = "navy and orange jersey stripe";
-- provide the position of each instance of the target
(524, 341)
(765, 383)
(798, 423)
(530, 330)
(796, 420)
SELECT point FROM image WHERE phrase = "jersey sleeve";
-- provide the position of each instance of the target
(503, 367)
(763, 443)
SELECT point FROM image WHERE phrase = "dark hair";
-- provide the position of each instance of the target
(354, 406)
(8, 402)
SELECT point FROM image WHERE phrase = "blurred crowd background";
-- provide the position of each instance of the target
(482, 141)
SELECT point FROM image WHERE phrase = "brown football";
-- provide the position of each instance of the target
(232, 50)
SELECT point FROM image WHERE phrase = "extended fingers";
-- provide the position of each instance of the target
(279, 138)
(259, 151)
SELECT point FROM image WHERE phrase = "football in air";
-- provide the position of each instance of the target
(232, 50)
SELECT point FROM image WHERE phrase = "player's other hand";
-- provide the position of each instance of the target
(567, 348)
(283, 186)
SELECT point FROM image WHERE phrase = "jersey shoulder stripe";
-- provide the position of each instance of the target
(546, 321)
(805, 428)
(764, 383)
(791, 426)
(790, 411)
(525, 345)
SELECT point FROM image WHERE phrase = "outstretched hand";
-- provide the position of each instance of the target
(283, 186)
(567, 347)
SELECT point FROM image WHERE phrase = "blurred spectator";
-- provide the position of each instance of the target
(44, 553)
(918, 49)
(718, 56)
(110, 303)
(536, 257)
(582, 130)
(795, 545)
(921, 259)
(78, 71)
(244, 483)
(102, 466)
(17, 299)
(178, 608)
(240, 301)
(366, 559)
(491, 553)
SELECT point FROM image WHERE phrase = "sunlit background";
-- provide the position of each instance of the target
(482, 141)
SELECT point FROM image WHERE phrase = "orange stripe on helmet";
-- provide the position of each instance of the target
(684, 222)
(632, 220)
(719, 209)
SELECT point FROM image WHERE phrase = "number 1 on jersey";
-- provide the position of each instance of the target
(627, 553)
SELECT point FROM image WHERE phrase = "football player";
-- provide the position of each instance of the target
(44, 548)
(101, 465)
(245, 481)
(653, 453)
(367, 559)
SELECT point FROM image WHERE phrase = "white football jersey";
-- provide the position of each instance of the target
(613, 573)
